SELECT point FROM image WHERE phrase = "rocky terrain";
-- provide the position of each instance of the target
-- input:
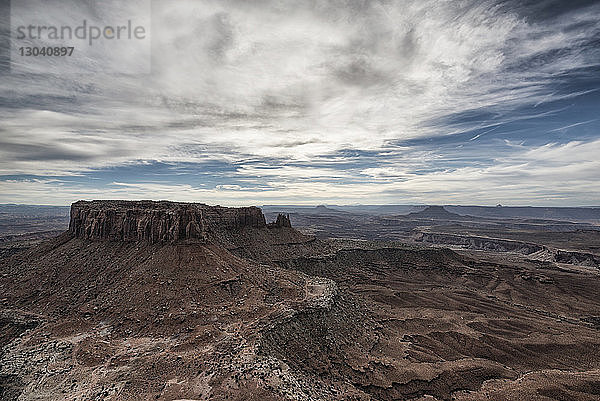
(22, 226)
(571, 242)
(18, 220)
(174, 301)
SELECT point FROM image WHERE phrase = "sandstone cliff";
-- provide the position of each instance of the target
(480, 243)
(158, 221)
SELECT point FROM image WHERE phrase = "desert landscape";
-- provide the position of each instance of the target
(273, 200)
(177, 301)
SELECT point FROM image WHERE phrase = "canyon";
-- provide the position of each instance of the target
(175, 301)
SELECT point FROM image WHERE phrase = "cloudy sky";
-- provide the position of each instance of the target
(321, 101)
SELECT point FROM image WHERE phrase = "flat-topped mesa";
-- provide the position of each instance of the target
(158, 221)
(435, 212)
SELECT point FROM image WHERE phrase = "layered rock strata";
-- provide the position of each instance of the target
(158, 221)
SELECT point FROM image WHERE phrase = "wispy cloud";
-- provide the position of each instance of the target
(284, 92)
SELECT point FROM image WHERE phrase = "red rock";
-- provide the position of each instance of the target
(158, 221)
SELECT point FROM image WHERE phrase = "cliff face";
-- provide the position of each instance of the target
(481, 243)
(158, 221)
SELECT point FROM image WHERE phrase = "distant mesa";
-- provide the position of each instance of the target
(162, 221)
(435, 212)
(321, 209)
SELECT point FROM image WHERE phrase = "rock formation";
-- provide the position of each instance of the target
(263, 312)
(158, 221)
(435, 213)
(481, 243)
(283, 220)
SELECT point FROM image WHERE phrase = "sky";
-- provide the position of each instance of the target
(320, 102)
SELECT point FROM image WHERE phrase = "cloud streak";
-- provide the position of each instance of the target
(394, 101)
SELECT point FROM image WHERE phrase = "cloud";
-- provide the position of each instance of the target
(550, 175)
(279, 88)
